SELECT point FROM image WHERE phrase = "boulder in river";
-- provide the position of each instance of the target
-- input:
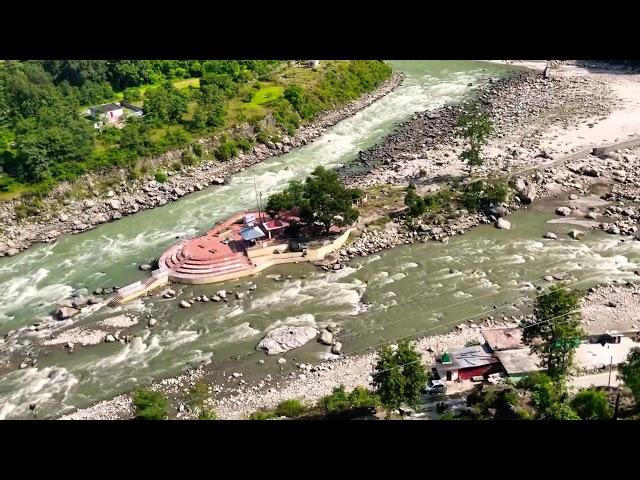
(184, 304)
(285, 338)
(503, 224)
(575, 234)
(221, 293)
(326, 338)
(564, 211)
(144, 267)
(592, 215)
(550, 235)
(63, 313)
(168, 293)
(336, 349)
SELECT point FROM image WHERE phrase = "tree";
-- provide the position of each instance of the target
(291, 197)
(475, 127)
(321, 200)
(555, 333)
(400, 376)
(592, 405)
(327, 202)
(165, 104)
(414, 201)
(150, 405)
(211, 110)
(549, 396)
(629, 373)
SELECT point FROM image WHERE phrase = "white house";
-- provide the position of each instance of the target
(113, 113)
(311, 63)
(110, 113)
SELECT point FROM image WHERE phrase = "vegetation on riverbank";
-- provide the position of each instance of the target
(320, 200)
(45, 139)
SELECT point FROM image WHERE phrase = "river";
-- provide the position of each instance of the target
(423, 288)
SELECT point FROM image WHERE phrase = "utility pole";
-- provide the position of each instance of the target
(610, 368)
(255, 186)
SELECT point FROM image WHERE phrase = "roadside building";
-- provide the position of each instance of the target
(466, 363)
(599, 349)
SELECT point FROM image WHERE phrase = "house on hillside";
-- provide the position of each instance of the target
(310, 63)
(113, 114)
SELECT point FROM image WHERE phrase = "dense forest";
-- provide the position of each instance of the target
(47, 137)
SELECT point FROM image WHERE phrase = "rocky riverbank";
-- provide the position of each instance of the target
(425, 148)
(609, 307)
(63, 214)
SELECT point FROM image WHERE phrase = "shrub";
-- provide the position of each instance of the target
(198, 149)
(160, 177)
(207, 414)
(261, 415)
(478, 195)
(150, 405)
(592, 405)
(289, 408)
(188, 159)
(244, 144)
(26, 210)
(262, 137)
(227, 149)
(197, 394)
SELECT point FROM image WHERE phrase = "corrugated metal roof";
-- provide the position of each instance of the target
(251, 233)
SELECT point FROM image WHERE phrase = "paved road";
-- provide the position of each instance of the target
(597, 379)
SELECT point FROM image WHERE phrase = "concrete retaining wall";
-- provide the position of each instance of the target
(634, 142)
(319, 253)
(259, 252)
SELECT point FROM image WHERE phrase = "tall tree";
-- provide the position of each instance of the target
(211, 110)
(165, 104)
(321, 199)
(475, 127)
(327, 201)
(400, 376)
(555, 333)
(629, 373)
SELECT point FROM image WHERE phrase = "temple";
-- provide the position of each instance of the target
(242, 245)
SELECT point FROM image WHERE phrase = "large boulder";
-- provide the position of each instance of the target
(184, 304)
(326, 337)
(550, 235)
(285, 338)
(526, 191)
(63, 313)
(576, 234)
(564, 211)
(503, 224)
(496, 211)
